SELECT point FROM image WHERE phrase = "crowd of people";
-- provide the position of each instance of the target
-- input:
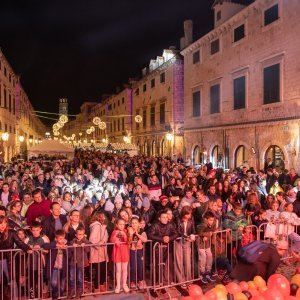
(119, 203)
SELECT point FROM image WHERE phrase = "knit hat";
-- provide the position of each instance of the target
(109, 206)
(119, 199)
(163, 197)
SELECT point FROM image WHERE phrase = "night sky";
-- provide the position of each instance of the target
(81, 49)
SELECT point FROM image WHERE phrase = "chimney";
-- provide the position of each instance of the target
(188, 32)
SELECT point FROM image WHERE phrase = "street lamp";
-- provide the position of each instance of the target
(169, 136)
(5, 136)
(21, 138)
(30, 139)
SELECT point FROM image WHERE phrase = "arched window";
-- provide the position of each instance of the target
(145, 148)
(162, 148)
(241, 156)
(275, 156)
(153, 148)
(197, 156)
(216, 157)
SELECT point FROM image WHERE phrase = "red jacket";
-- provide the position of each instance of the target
(37, 209)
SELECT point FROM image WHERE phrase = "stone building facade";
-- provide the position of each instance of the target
(241, 87)
(116, 111)
(17, 116)
(158, 98)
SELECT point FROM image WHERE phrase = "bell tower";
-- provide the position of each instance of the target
(63, 106)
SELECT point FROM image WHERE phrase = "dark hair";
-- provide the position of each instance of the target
(53, 203)
(208, 215)
(75, 210)
(35, 192)
(80, 228)
(237, 206)
(60, 232)
(186, 210)
(3, 208)
(35, 224)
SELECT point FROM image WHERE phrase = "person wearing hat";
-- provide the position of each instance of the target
(265, 265)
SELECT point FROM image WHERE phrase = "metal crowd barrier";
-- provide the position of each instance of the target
(159, 265)
(30, 276)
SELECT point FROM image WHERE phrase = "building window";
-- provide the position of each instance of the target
(196, 104)
(214, 47)
(122, 100)
(115, 126)
(137, 91)
(9, 103)
(123, 124)
(109, 107)
(152, 116)
(276, 155)
(162, 113)
(5, 72)
(153, 83)
(5, 126)
(272, 84)
(136, 123)
(271, 15)
(144, 87)
(144, 118)
(118, 124)
(118, 102)
(162, 77)
(215, 99)
(239, 92)
(114, 105)
(219, 15)
(239, 33)
(196, 57)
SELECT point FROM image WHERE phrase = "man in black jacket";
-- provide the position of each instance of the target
(54, 222)
(165, 233)
(266, 264)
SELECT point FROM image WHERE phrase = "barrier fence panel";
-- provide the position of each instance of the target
(89, 270)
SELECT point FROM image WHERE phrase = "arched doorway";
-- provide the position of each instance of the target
(145, 148)
(153, 150)
(216, 157)
(276, 155)
(241, 156)
(162, 148)
(197, 156)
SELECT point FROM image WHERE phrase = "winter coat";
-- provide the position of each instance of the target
(233, 222)
(48, 226)
(98, 235)
(79, 255)
(158, 230)
(121, 248)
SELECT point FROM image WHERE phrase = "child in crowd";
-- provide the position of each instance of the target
(247, 236)
(78, 261)
(273, 213)
(136, 239)
(36, 260)
(205, 258)
(120, 255)
(289, 218)
(57, 266)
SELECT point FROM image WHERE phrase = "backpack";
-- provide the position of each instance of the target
(251, 252)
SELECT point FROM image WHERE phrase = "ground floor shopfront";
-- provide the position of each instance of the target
(248, 144)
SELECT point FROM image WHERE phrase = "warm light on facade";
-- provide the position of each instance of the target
(169, 136)
(5, 136)
(21, 138)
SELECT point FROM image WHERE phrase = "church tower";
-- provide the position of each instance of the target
(63, 106)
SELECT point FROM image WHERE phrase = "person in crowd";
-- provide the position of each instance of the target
(73, 223)
(266, 264)
(56, 221)
(5, 195)
(120, 255)
(183, 247)
(205, 259)
(39, 207)
(136, 238)
(26, 202)
(57, 264)
(98, 253)
(164, 232)
(78, 261)
(36, 260)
